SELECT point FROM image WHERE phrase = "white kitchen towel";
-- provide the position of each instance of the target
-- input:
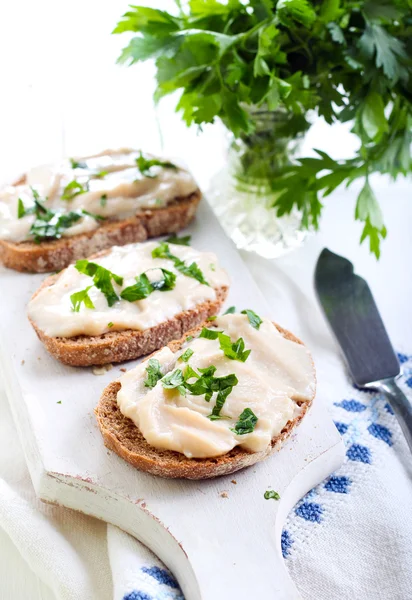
(348, 539)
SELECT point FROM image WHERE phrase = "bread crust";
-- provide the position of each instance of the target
(122, 436)
(54, 255)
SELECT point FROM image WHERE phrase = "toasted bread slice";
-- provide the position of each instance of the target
(118, 346)
(56, 254)
(122, 436)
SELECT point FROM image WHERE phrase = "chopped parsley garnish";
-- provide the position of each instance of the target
(59, 402)
(49, 224)
(205, 384)
(144, 287)
(233, 350)
(21, 211)
(76, 164)
(163, 251)
(186, 355)
(212, 318)
(230, 310)
(180, 241)
(254, 319)
(145, 164)
(109, 325)
(246, 422)
(271, 494)
(100, 174)
(154, 373)
(189, 338)
(212, 267)
(174, 379)
(103, 200)
(73, 189)
(81, 297)
(89, 214)
(102, 279)
(209, 334)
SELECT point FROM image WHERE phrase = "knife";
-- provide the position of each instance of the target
(355, 320)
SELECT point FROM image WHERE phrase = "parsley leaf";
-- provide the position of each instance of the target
(102, 279)
(254, 319)
(154, 373)
(21, 210)
(103, 200)
(144, 287)
(230, 311)
(75, 164)
(368, 211)
(81, 297)
(145, 164)
(174, 380)
(181, 241)
(209, 334)
(271, 494)
(163, 251)
(73, 189)
(246, 422)
(186, 355)
(235, 351)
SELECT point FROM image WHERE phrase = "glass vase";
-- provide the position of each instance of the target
(242, 194)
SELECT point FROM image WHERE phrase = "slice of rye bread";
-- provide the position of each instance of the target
(54, 255)
(122, 436)
(118, 346)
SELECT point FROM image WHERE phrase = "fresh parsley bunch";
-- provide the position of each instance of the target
(347, 60)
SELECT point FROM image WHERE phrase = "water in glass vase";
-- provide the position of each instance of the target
(242, 193)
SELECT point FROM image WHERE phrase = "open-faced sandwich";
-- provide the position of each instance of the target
(57, 214)
(220, 399)
(127, 301)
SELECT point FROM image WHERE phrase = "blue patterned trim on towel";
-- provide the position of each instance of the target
(135, 595)
(368, 426)
(161, 576)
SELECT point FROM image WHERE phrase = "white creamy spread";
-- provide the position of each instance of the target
(276, 374)
(51, 310)
(115, 189)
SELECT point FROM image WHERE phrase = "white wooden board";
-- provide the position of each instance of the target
(218, 547)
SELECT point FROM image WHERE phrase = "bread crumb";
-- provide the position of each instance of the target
(224, 495)
(123, 370)
(22, 362)
(102, 370)
(234, 481)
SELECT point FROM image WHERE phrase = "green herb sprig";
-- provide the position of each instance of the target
(154, 373)
(144, 287)
(246, 422)
(145, 165)
(347, 61)
(233, 350)
(102, 279)
(192, 270)
(49, 224)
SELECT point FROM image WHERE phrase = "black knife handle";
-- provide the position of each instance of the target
(402, 407)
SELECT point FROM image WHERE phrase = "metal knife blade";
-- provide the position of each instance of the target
(352, 313)
(355, 320)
